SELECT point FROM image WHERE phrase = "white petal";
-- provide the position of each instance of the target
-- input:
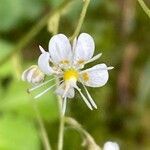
(111, 146)
(27, 74)
(60, 49)
(96, 76)
(84, 48)
(43, 63)
(61, 89)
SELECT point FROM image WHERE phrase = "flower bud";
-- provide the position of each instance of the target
(33, 75)
(111, 146)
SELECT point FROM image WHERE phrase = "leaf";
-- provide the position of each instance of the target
(18, 100)
(17, 133)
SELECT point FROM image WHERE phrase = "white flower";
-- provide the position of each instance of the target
(111, 146)
(66, 62)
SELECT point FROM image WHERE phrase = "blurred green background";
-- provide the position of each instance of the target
(122, 33)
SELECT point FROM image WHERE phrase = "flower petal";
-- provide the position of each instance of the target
(43, 63)
(96, 76)
(60, 49)
(84, 49)
(61, 89)
(27, 74)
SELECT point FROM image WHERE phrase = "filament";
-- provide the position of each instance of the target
(40, 85)
(64, 106)
(84, 98)
(45, 91)
(90, 98)
(94, 58)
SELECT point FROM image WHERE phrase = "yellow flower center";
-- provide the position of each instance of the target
(70, 74)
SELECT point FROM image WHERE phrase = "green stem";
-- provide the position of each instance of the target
(76, 32)
(81, 19)
(61, 133)
(144, 7)
(35, 30)
(86, 136)
(61, 125)
(44, 135)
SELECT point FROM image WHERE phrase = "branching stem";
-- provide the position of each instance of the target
(144, 7)
(81, 19)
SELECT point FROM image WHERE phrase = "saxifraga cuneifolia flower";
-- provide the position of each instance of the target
(65, 61)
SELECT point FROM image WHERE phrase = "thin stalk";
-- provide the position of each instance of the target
(62, 117)
(44, 135)
(144, 7)
(81, 19)
(89, 140)
(61, 133)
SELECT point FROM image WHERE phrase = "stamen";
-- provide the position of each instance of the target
(84, 98)
(39, 85)
(66, 90)
(41, 49)
(94, 58)
(45, 91)
(110, 68)
(90, 98)
(64, 106)
(104, 68)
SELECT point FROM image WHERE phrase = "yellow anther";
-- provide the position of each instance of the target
(64, 62)
(80, 62)
(85, 76)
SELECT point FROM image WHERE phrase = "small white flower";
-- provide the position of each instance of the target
(65, 62)
(111, 146)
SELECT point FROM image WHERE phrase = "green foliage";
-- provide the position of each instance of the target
(144, 85)
(54, 3)
(5, 48)
(17, 133)
(9, 14)
(16, 99)
(12, 12)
